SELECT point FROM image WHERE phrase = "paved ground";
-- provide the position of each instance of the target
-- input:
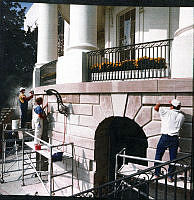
(11, 181)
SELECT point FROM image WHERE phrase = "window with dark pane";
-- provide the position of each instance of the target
(127, 33)
(127, 28)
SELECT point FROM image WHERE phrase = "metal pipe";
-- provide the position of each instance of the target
(116, 167)
(72, 147)
(53, 176)
(23, 160)
(65, 144)
(50, 172)
(156, 190)
(124, 157)
(61, 188)
(175, 187)
(35, 162)
(3, 152)
(46, 143)
(185, 184)
(147, 159)
(165, 190)
(37, 174)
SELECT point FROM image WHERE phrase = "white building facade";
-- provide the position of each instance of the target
(100, 45)
(89, 28)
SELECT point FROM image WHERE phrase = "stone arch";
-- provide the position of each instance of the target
(111, 136)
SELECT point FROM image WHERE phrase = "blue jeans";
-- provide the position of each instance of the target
(165, 142)
(23, 117)
(24, 110)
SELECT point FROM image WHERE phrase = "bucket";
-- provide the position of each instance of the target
(37, 147)
(15, 124)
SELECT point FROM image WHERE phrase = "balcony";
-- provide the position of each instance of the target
(48, 73)
(139, 61)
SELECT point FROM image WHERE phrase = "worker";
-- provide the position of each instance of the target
(38, 117)
(23, 101)
(171, 122)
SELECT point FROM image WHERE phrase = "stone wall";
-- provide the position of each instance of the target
(91, 103)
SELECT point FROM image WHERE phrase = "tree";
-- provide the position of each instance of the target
(18, 50)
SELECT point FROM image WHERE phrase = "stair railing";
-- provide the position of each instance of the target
(137, 185)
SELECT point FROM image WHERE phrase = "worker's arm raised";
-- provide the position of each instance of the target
(30, 97)
(45, 106)
(156, 107)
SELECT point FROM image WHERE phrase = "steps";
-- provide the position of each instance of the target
(6, 115)
(132, 168)
(180, 188)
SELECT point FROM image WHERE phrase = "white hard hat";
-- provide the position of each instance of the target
(22, 88)
(175, 102)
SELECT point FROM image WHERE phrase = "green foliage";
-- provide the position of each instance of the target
(18, 50)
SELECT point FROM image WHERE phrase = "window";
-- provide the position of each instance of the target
(127, 28)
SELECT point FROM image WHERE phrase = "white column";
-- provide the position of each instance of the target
(72, 67)
(66, 35)
(83, 27)
(107, 27)
(182, 46)
(47, 38)
(47, 33)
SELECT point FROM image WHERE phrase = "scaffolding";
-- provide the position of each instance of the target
(141, 172)
(47, 151)
(10, 155)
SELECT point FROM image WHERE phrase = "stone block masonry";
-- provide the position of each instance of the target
(94, 102)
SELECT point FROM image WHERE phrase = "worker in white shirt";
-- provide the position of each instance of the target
(38, 118)
(171, 122)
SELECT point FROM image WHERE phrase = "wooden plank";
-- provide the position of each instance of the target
(45, 151)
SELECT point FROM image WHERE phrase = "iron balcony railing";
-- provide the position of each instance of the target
(138, 61)
(144, 185)
(48, 73)
(60, 45)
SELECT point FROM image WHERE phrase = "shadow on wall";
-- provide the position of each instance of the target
(185, 141)
(50, 123)
(85, 184)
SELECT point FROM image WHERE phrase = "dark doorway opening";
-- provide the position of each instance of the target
(112, 135)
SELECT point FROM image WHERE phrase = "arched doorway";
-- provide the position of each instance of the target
(112, 135)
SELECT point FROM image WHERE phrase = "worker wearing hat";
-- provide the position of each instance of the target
(23, 101)
(171, 122)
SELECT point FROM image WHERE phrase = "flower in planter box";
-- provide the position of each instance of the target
(143, 62)
(151, 63)
(117, 66)
(92, 68)
(95, 68)
(107, 67)
(160, 63)
(129, 64)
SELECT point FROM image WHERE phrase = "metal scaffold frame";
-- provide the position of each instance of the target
(47, 150)
(8, 150)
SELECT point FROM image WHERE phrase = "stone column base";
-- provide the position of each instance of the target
(72, 67)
